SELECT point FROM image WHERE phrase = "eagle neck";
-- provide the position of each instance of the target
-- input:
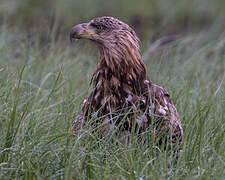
(115, 69)
(122, 62)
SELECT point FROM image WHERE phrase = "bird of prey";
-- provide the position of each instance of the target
(123, 97)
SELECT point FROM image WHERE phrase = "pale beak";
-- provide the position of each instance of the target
(79, 31)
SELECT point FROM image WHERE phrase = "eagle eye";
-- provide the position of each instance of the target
(97, 26)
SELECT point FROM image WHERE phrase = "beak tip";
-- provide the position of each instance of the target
(71, 36)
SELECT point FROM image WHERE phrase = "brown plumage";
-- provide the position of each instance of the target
(122, 92)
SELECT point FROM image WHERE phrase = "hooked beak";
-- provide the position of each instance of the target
(81, 31)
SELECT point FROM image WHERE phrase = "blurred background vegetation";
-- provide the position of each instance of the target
(53, 19)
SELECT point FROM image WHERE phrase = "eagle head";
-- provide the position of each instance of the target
(106, 31)
(117, 42)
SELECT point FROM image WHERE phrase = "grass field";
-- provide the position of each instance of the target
(41, 90)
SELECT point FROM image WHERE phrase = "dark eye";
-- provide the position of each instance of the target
(99, 27)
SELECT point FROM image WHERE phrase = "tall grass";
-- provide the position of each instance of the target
(41, 90)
